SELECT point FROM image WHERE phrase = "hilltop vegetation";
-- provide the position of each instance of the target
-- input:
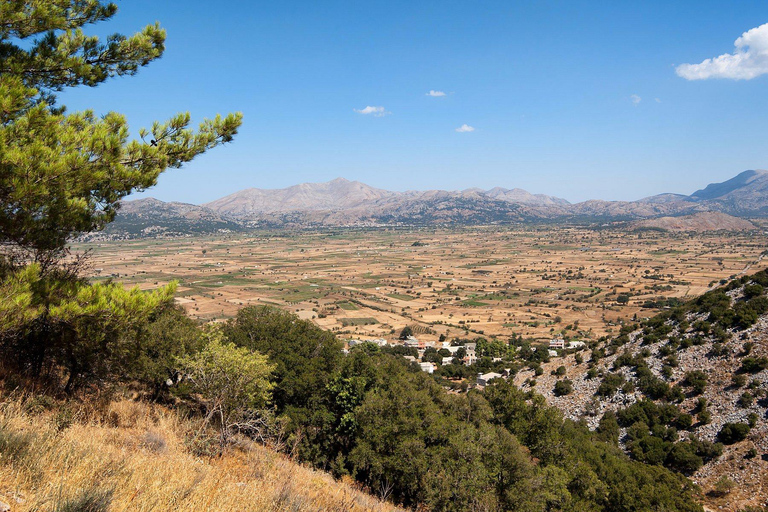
(391, 427)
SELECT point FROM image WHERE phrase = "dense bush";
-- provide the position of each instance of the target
(696, 380)
(233, 383)
(563, 387)
(732, 433)
(610, 384)
(754, 364)
(395, 430)
(653, 438)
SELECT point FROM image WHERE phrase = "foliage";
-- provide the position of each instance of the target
(304, 355)
(697, 380)
(754, 364)
(304, 358)
(233, 383)
(61, 175)
(86, 329)
(610, 384)
(153, 351)
(732, 433)
(563, 387)
(653, 438)
(394, 429)
(64, 174)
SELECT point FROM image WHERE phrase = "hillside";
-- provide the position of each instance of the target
(150, 217)
(128, 455)
(696, 375)
(699, 222)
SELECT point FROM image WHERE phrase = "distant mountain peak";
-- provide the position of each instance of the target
(740, 181)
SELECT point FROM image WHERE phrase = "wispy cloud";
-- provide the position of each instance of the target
(749, 59)
(635, 99)
(657, 100)
(465, 128)
(375, 111)
(436, 94)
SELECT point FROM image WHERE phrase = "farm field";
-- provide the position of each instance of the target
(534, 281)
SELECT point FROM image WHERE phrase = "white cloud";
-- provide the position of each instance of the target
(376, 111)
(465, 128)
(749, 59)
(436, 94)
(635, 99)
(657, 100)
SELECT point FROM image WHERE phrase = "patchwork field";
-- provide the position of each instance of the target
(534, 281)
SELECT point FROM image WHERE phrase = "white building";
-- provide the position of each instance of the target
(484, 379)
(427, 367)
(557, 344)
(410, 341)
(470, 357)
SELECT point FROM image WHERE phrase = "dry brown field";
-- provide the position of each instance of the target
(532, 281)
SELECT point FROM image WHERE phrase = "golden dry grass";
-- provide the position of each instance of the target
(134, 459)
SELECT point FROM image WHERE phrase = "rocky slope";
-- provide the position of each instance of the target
(714, 349)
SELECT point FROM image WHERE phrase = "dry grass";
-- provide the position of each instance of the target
(132, 457)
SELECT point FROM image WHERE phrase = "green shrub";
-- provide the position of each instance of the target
(563, 387)
(754, 364)
(733, 433)
(696, 380)
(746, 400)
(738, 380)
(610, 384)
(233, 383)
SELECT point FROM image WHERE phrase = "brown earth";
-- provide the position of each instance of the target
(532, 282)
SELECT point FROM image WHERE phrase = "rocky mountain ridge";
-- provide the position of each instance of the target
(341, 202)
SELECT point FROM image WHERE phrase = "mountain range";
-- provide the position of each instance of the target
(341, 202)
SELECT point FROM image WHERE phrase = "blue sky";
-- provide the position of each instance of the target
(575, 99)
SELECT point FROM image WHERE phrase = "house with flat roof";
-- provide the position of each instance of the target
(557, 344)
(484, 378)
(427, 367)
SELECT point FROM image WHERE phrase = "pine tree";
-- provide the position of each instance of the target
(64, 174)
